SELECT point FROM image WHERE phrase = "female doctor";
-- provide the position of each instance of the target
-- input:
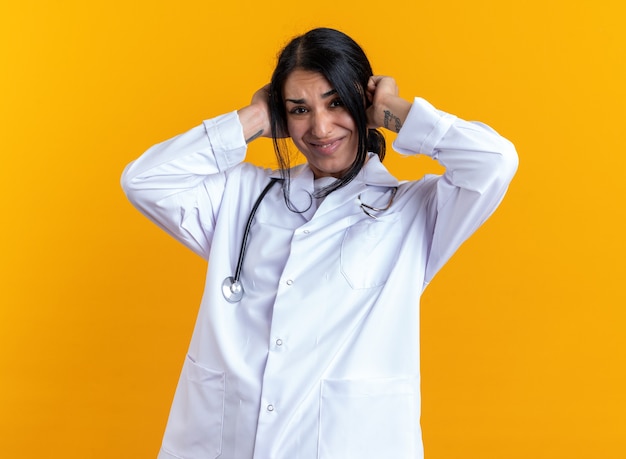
(307, 339)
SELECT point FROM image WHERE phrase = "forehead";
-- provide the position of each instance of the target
(305, 82)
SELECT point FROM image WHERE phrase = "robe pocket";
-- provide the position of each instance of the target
(363, 419)
(369, 251)
(194, 428)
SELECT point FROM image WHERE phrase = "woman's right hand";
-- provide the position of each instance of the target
(255, 118)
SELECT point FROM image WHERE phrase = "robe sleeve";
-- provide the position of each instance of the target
(479, 165)
(179, 183)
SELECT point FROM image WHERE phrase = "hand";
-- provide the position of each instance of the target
(255, 118)
(261, 99)
(387, 108)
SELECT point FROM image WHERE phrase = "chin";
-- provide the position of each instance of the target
(336, 172)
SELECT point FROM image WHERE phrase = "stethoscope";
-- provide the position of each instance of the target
(231, 287)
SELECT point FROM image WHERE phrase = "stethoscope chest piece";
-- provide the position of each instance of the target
(232, 290)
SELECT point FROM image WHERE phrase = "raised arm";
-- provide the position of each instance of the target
(179, 183)
(479, 164)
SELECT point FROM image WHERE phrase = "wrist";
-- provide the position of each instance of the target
(394, 111)
(254, 122)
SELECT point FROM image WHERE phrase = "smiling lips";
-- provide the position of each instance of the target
(325, 147)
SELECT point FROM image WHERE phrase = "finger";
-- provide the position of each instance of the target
(372, 82)
(377, 78)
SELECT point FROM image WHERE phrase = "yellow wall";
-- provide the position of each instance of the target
(524, 336)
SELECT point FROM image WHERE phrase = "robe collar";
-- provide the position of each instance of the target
(373, 174)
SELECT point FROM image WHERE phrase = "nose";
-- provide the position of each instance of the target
(321, 125)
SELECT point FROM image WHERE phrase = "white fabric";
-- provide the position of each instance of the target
(320, 359)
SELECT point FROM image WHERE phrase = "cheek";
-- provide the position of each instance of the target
(347, 122)
(291, 128)
(296, 130)
(293, 134)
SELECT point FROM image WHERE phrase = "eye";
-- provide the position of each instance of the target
(336, 103)
(298, 111)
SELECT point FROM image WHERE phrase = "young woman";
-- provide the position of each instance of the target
(307, 339)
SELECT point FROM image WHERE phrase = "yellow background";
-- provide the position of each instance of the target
(524, 337)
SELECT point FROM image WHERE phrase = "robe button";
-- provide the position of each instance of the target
(289, 282)
(279, 342)
(270, 407)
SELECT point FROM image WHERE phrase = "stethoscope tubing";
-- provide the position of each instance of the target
(246, 233)
(231, 287)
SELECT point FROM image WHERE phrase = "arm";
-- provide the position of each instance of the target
(179, 183)
(479, 164)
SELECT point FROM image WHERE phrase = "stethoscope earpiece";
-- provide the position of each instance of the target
(369, 209)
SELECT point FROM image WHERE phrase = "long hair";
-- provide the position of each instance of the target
(343, 63)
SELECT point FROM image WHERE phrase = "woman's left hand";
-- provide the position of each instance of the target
(387, 108)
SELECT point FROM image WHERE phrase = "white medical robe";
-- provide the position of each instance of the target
(320, 358)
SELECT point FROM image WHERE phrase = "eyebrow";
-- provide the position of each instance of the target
(327, 94)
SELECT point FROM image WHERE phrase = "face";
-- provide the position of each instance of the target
(319, 124)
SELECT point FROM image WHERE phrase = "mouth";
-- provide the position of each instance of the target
(325, 147)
